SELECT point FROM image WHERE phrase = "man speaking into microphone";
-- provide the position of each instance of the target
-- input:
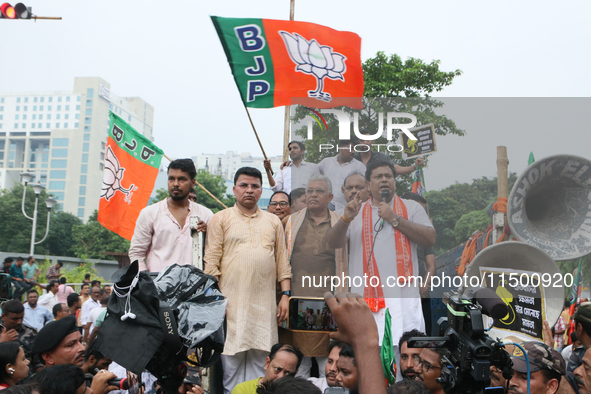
(383, 234)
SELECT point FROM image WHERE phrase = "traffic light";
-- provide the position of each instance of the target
(19, 11)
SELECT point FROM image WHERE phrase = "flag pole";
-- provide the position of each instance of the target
(257, 135)
(287, 107)
(204, 189)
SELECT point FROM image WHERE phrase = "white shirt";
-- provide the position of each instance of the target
(48, 300)
(86, 308)
(566, 352)
(159, 241)
(404, 303)
(337, 173)
(321, 383)
(93, 315)
(293, 177)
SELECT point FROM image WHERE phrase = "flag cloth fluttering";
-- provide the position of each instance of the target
(418, 184)
(531, 159)
(387, 351)
(131, 167)
(277, 63)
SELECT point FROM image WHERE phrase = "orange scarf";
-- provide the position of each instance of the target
(374, 296)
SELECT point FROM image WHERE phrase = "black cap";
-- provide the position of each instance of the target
(53, 333)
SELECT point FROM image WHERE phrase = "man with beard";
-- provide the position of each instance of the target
(428, 368)
(59, 343)
(279, 205)
(407, 354)
(13, 313)
(162, 233)
(347, 375)
(330, 368)
(546, 367)
(294, 174)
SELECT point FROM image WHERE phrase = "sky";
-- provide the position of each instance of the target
(171, 56)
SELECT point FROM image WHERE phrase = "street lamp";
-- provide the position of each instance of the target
(49, 202)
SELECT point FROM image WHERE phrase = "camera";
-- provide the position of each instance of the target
(470, 351)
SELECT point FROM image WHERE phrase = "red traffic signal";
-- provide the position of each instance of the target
(19, 11)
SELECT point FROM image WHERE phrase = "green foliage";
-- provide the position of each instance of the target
(60, 241)
(93, 241)
(76, 275)
(407, 85)
(216, 186)
(447, 206)
(469, 223)
(15, 232)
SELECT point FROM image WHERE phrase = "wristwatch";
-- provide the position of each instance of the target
(395, 222)
(286, 292)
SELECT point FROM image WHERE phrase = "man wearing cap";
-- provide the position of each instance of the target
(546, 367)
(59, 343)
(582, 319)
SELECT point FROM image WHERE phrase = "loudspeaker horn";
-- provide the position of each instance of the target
(550, 206)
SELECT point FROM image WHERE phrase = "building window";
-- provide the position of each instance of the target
(87, 120)
(16, 125)
(57, 125)
(65, 125)
(49, 107)
(42, 99)
(84, 169)
(86, 128)
(66, 116)
(85, 158)
(59, 153)
(101, 167)
(81, 201)
(34, 99)
(83, 179)
(34, 108)
(57, 174)
(58, 195)
(26, 99)
(18, 108)
(40, 108)
(59, 164)
(78, 106)
(129, 118)
(67, 107)
(50, 99)
(24, 125)
(81, 213)
(16, 117)
(87, 137)
(57, 116)
(88, 111)
(89, 92)
(48, 116)
(40, 116)
(68, 99)
(85, 147)
(77, 98)
(76, 125)
(25, 108)
(59, 99)
(57, 185)
(32, 125)
(60, 142)
(59, 107)
(103, 145)
(34, 117)
(47, 126)
(18, 99)
(39, 125)
(89, 103)
(82, 191)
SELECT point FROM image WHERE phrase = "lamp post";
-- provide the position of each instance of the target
(49, 202)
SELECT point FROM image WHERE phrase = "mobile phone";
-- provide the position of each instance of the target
(309, 314)
(336, 390)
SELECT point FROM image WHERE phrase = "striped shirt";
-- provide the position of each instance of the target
(248, 253)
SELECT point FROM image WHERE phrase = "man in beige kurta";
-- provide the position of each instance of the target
(245, 249)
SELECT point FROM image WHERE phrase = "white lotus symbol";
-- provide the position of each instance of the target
(112, 177)
(318, 60)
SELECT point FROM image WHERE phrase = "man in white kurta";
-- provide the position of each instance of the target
(379, 232)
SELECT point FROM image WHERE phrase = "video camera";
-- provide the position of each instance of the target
(470, 351)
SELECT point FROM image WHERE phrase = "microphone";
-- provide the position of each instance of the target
(492, 305)
(385, 195)
(122, 384)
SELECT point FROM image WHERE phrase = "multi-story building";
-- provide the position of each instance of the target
(60, 137)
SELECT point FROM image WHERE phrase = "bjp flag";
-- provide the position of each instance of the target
(131, 166)
(277, 63)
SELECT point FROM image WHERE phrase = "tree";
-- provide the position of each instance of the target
(15, 232)
(447, 206)
(93, 241)
(407, 85)
(216, 186)
(60, 240)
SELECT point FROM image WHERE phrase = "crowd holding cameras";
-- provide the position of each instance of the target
(340, 217)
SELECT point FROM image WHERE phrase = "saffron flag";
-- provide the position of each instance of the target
(387, 351)
(277, 63)
(418, 184)
(131, 166)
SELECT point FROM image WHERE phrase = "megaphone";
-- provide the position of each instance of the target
(550, 206)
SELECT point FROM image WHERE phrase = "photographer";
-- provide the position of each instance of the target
(546, 367)
(428, 368)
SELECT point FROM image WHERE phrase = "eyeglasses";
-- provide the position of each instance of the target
(426, 365)
(282, 204)
(317, 191)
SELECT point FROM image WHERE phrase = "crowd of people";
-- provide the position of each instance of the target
(338, 223)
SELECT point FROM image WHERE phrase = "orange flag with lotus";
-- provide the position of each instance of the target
(131, 167)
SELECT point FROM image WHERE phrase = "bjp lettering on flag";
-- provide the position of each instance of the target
(131, 166)
(277, 63)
